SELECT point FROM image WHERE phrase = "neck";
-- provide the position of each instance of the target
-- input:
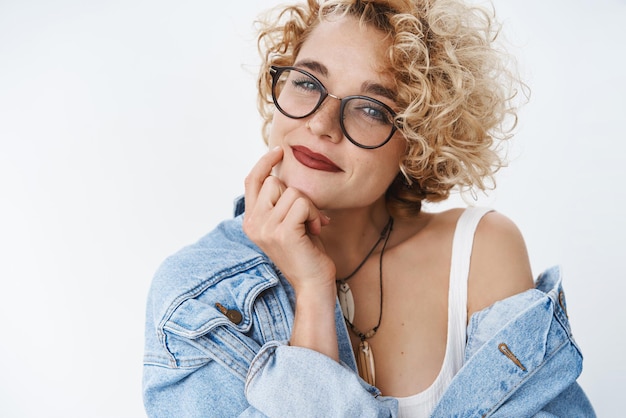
(351, 234)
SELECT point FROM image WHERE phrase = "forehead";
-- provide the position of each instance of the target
(347, 47)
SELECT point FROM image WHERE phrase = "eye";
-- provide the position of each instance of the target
(306, 84)
(374, 113)
(371, 111)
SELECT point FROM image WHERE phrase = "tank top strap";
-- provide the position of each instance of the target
(462, 244)
(422, 404)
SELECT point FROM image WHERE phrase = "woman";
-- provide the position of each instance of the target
(334, 294)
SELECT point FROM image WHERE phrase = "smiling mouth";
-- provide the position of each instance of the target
(314, 160)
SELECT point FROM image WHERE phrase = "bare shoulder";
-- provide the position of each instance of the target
(499, 265)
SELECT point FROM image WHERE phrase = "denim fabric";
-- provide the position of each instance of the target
(536, 331)
(198, 363)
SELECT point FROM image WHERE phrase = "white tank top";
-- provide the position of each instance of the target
(422, 404)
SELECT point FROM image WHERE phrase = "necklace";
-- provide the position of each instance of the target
(365, 356)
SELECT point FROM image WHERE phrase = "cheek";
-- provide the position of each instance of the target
(379, 173)
(272, 134)
(394, 154)
(279, 128)
(384, 161)
(272, 142)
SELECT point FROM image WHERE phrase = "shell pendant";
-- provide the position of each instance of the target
(365, 363)
(346, 300)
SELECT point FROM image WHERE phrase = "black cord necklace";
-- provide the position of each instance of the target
(365, 357)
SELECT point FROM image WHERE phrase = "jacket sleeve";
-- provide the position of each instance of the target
(572, 402)
(521, 360)
(193, 393)
(295, 381)
(282, 381)
(180, 379)
(197, 363)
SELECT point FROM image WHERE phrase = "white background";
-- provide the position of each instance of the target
(127, 127)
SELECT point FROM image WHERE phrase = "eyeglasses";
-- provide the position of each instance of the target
(366, 122)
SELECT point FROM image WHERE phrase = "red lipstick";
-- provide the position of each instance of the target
(314, 160)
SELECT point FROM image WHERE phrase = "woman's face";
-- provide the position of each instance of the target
(319, 160)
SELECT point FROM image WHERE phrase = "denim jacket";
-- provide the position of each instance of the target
(219, 317)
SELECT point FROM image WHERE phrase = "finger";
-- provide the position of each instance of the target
(261, 216)
(269, 194)
(284, 204)
(256, 177)
(311, 217)
(316, 221)
(304, 212)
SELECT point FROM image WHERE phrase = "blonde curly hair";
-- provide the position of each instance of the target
(455, 86)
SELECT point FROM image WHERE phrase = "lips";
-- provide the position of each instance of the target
(314, 160)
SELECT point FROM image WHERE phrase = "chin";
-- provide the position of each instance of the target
(308, 187)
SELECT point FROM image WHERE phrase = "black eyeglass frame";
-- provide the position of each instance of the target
(276, 71)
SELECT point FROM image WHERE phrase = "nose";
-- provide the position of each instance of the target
(324, 123)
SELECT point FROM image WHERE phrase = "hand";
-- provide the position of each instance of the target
(286, 225)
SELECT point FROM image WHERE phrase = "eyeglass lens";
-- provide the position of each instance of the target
(364, 120)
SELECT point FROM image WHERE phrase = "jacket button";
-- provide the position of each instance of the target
(233, 316)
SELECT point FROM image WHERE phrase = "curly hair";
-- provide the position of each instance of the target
(455, 86)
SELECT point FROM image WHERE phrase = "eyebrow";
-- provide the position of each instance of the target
(313, 66)
(369, 87)
(379, 89)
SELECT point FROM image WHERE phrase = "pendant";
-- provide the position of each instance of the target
(365, 363)
(346, 301)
